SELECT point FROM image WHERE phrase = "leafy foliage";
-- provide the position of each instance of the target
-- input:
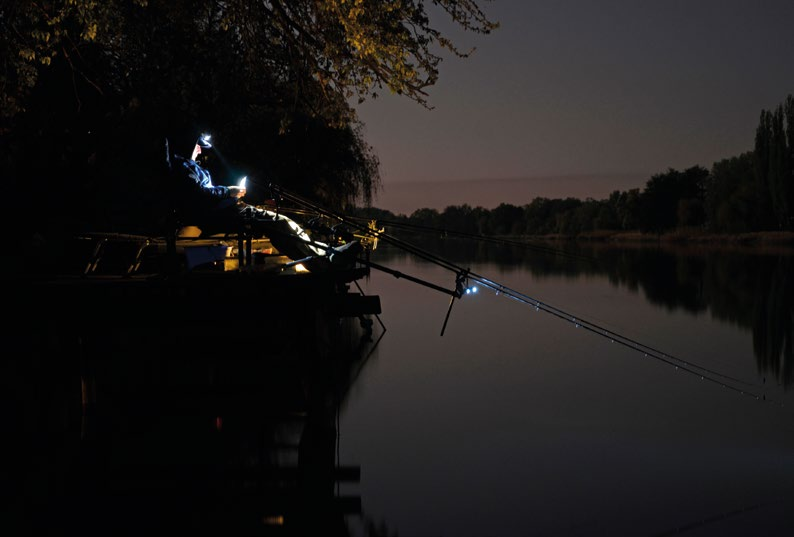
(774, 166)
(273, 80)
(664, 193)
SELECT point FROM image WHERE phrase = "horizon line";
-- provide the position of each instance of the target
(523, 178)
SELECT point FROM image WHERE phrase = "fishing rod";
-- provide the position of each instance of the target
(365, 230)
(444, 231)
(464, 276)
(479, 237)
(331, 249)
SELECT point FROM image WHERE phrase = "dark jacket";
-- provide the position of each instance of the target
(200, 177)
(198, 201)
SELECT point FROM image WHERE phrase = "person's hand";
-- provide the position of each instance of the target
(236, 192)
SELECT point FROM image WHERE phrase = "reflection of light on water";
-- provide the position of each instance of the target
(275, 520)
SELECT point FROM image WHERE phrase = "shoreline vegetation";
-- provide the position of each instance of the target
(684, 236)
(757, 238)
(760, 242)
(746, 200)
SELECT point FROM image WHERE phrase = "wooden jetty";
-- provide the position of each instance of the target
(196, 394)
(229, 279)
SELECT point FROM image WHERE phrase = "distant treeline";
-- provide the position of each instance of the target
(750, 192)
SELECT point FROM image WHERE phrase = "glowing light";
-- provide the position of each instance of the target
(242, 181)
(300, 268)
(206, 139)
(474, 289)
(274, 520)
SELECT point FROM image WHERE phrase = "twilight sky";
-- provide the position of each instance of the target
(581, 97)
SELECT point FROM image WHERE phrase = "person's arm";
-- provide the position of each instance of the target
(218, 191)
(202, 178)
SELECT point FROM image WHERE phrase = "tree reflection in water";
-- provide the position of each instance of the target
(751, 288)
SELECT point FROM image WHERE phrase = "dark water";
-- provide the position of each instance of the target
(517, 423)
(175, 410)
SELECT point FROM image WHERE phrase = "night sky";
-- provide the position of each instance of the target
(579, 98)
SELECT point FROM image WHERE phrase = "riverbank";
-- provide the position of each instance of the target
(760, 238)
(681, 241)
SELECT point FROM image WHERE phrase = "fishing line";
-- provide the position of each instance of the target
(703, 372)
(588, 325)
(614, 337)
(721, 516)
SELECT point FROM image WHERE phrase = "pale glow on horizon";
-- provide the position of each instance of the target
(585, 89)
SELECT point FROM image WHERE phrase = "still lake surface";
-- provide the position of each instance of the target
(514, 422)
(517, 422)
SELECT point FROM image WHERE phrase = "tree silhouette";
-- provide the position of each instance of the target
(90, 91)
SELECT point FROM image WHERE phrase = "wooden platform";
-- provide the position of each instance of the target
(112, 279)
